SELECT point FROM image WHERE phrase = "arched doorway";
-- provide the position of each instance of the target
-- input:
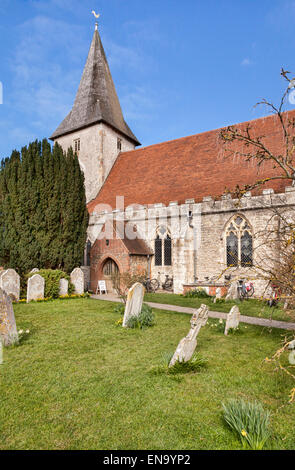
(110, 271)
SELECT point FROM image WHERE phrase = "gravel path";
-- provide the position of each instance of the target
(176, 308)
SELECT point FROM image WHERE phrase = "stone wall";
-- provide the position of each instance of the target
(198, 234)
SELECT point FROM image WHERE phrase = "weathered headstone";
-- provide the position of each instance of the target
(232, 320)
(77, 279)
(10, 283)
(134, 302)
(291, 346)
(36, 286)
(8, 330)
(187, 345)
(232, 293)
(217, 294)
(63, 286)
(35, 270)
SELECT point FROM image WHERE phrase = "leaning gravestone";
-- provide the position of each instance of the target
(10, 283)
(134, 302)
(187, 345)
(8, 330)
(77, 279)
(232, 320)
(63, 286)
(232, 293)
(36, 286)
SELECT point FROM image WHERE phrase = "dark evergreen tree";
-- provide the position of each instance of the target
(43, 210)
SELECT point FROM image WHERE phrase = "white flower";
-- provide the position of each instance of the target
(20, 332)
(27, 331)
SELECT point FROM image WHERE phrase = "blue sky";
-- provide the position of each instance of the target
(180, 67)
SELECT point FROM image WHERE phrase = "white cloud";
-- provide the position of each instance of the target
(46, 67)
(246, 62)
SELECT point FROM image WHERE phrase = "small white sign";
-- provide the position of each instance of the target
(102, 287)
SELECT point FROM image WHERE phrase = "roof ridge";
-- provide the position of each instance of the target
(205, 132)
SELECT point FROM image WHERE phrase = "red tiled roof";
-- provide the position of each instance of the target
(191, 167)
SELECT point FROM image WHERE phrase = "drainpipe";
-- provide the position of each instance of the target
(149, 266)
(190, 223)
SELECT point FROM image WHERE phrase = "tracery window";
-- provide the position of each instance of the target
(239, 243)
(163, 247)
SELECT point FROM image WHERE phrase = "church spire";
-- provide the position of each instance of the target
(96, 100)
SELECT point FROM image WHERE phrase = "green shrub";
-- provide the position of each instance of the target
(249, 420)
(143, 320)
(119, 308)
(198, 293)
(52, 278)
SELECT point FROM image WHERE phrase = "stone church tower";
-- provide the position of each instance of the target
(95, 127)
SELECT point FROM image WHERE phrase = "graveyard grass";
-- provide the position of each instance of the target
(77, 381)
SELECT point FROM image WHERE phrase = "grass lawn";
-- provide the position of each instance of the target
(77, 381)
(251, 307)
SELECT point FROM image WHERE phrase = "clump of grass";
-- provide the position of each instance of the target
(144, 320)
(195, 364)
(249, 420)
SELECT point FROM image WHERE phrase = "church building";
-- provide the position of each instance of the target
(164, 209)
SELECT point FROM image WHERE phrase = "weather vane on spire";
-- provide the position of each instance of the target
(96, 16)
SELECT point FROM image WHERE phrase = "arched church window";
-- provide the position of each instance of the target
(158, 251)
(110, 268)
(167, 251)
(163, 247)
(239, 243)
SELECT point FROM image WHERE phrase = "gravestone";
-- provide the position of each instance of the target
(36, 286)
(10, 283)
(8, 330)
(291, 358)
(35, 270)
(217, 294)
(77, 279)
(134, 302)
(187, 345)
(63, 287)
(232, 293)
(232, 320)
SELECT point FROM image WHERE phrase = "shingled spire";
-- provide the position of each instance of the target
(96, 100)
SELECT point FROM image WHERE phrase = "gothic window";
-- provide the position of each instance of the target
(77, 145)
(158, 251)
(119, 144)
(239, 243)
(167, 251)
(163, 247)
(110, 268)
